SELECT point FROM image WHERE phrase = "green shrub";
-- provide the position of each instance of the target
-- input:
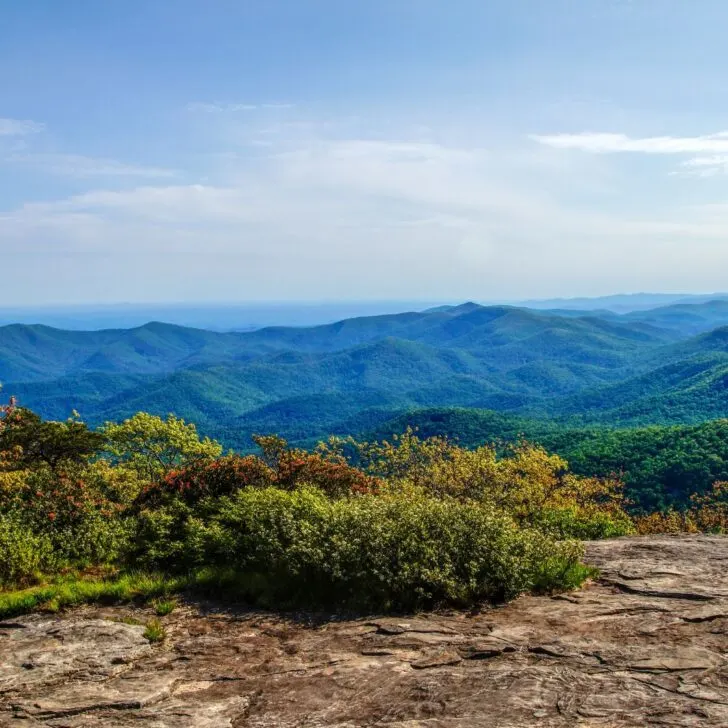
(280, 466)
(162, 537)
(152, 446)
(23, 554)
(523, 479)
(69, 508)
(397, 551)
(421, 523)
(208, 478)
(585, 526)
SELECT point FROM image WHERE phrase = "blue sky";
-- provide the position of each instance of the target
(170, 150)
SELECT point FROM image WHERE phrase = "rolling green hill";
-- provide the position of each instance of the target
(560, 366)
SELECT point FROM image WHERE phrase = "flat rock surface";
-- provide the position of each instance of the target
(644, 645)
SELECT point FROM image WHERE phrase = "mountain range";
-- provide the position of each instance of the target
(256, 315)
(663, 365)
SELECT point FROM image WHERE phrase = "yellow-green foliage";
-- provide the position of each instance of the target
(710, 511)
(24, 554)
(707, 513)
(152, 446)
(11, 482)
(533, 486)
(74, 507)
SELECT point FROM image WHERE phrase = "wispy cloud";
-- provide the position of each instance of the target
(347, 207)
(19, 127)
(458, 196)
(601, 143)
(705, 166)
(712, 149)
(219, 108)
(77, 165)
(352, 200)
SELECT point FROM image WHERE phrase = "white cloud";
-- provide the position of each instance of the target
(704, 166)
(356, 216)
(711, 149)
(351, 202)
(706, 161)
(316, 190)
(602, 143)
(76, 165)
(19, 127)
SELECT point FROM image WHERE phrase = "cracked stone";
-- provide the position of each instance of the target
(439, 659)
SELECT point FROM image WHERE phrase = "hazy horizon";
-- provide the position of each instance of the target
(243, 316)
(313, 302)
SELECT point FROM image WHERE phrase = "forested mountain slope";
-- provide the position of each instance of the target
(601, 367)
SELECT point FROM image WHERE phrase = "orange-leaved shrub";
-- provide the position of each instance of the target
(279, 466)
(214, 478)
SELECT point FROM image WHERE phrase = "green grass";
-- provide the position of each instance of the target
(74, 591)
(163, 607)
(140, 587)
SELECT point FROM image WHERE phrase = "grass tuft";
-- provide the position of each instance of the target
(155, 631)
(163, 607)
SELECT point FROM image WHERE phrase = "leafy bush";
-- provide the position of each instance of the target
(710, 510)
(670, 521)
(71, 509)
(661, 465)
(28, 441)
(416, 523)
(152, 446)
(707, 513)
(23, 554)
(216, 478)
(400, 550)
(578, 523)
(279, 466)
(327, 468)
(533, 486)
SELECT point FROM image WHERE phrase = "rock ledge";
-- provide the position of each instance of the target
(646, 645)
